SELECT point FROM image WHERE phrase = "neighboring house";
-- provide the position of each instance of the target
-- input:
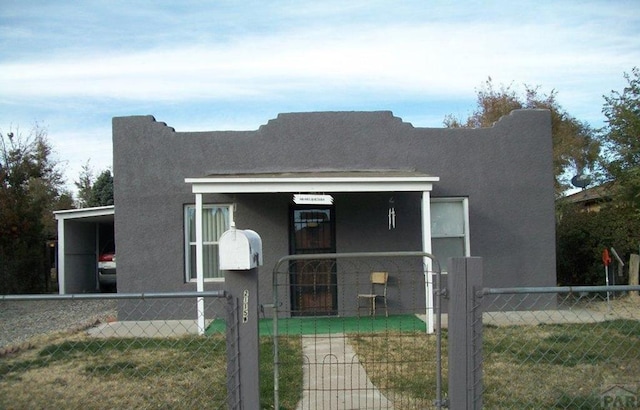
(590, 199)
(456, 192)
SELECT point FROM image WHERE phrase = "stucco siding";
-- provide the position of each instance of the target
(505, 171)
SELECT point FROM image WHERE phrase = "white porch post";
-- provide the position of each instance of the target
(199, 263)
(61, 260)
(427, 262)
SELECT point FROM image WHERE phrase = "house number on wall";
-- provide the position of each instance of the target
(245, 306)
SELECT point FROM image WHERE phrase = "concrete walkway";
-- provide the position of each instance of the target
(145, 328)
(334, 377)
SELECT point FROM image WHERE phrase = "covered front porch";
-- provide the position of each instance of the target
(311, 196)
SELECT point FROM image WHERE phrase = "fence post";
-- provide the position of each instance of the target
(465, 333)
(242, 370)
(634, 263)
(240, 255)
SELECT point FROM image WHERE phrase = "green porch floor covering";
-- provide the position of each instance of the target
(328, 325)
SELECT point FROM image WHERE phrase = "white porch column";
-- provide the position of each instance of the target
(199, 263)
(427, 262)
(61, 260)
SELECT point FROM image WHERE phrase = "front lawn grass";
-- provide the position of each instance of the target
(537, 366)
(186, 372)
(541, 366)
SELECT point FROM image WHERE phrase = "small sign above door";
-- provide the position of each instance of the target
(312, 199)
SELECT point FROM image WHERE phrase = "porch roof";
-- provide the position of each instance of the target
(314, 181)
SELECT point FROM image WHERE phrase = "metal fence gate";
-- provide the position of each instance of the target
(365, 327)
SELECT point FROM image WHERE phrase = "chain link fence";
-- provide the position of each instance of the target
(85, 351)
(581, 351)
(579, 347)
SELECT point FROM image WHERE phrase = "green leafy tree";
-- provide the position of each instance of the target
(84, 183)
(30, 189)
(581, 238)
(98, 192)
(102, 190)
(622, 142)
(575, 148)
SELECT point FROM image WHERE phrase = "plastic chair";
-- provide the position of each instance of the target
(378, 290)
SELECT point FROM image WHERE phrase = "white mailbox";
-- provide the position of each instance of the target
(240, 249)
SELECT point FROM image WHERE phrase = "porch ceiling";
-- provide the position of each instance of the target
(315, 181)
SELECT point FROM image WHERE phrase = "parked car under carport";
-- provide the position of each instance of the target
(107, 267)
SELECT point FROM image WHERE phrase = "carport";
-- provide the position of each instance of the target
(81, 232)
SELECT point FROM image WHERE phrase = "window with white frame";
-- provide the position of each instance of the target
(216, 219)
(449, 229)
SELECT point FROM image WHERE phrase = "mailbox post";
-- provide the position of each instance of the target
(240, 257)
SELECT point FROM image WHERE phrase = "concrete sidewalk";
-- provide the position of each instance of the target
(334, 377)
(537, 317)
(148, 328)
(166, 328)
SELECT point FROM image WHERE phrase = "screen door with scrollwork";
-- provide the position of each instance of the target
(313, 282)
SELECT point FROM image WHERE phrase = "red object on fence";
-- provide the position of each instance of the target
(606, 259)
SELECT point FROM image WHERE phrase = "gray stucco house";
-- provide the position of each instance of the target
(455, 192)
(496, 183)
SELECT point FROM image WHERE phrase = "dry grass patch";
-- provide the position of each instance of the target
(402, 365)
(116, 373)
(77, 371)
(541, 366)
(567, 366)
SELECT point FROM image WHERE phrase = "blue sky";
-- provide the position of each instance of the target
(71, 66)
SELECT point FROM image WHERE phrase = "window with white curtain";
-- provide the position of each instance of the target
(449, 229)
(216, 219)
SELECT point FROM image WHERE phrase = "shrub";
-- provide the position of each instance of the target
(582, 237)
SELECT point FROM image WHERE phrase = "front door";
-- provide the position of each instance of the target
(313, 282)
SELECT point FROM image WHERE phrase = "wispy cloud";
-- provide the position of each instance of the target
(437, 59)
(227, 65)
